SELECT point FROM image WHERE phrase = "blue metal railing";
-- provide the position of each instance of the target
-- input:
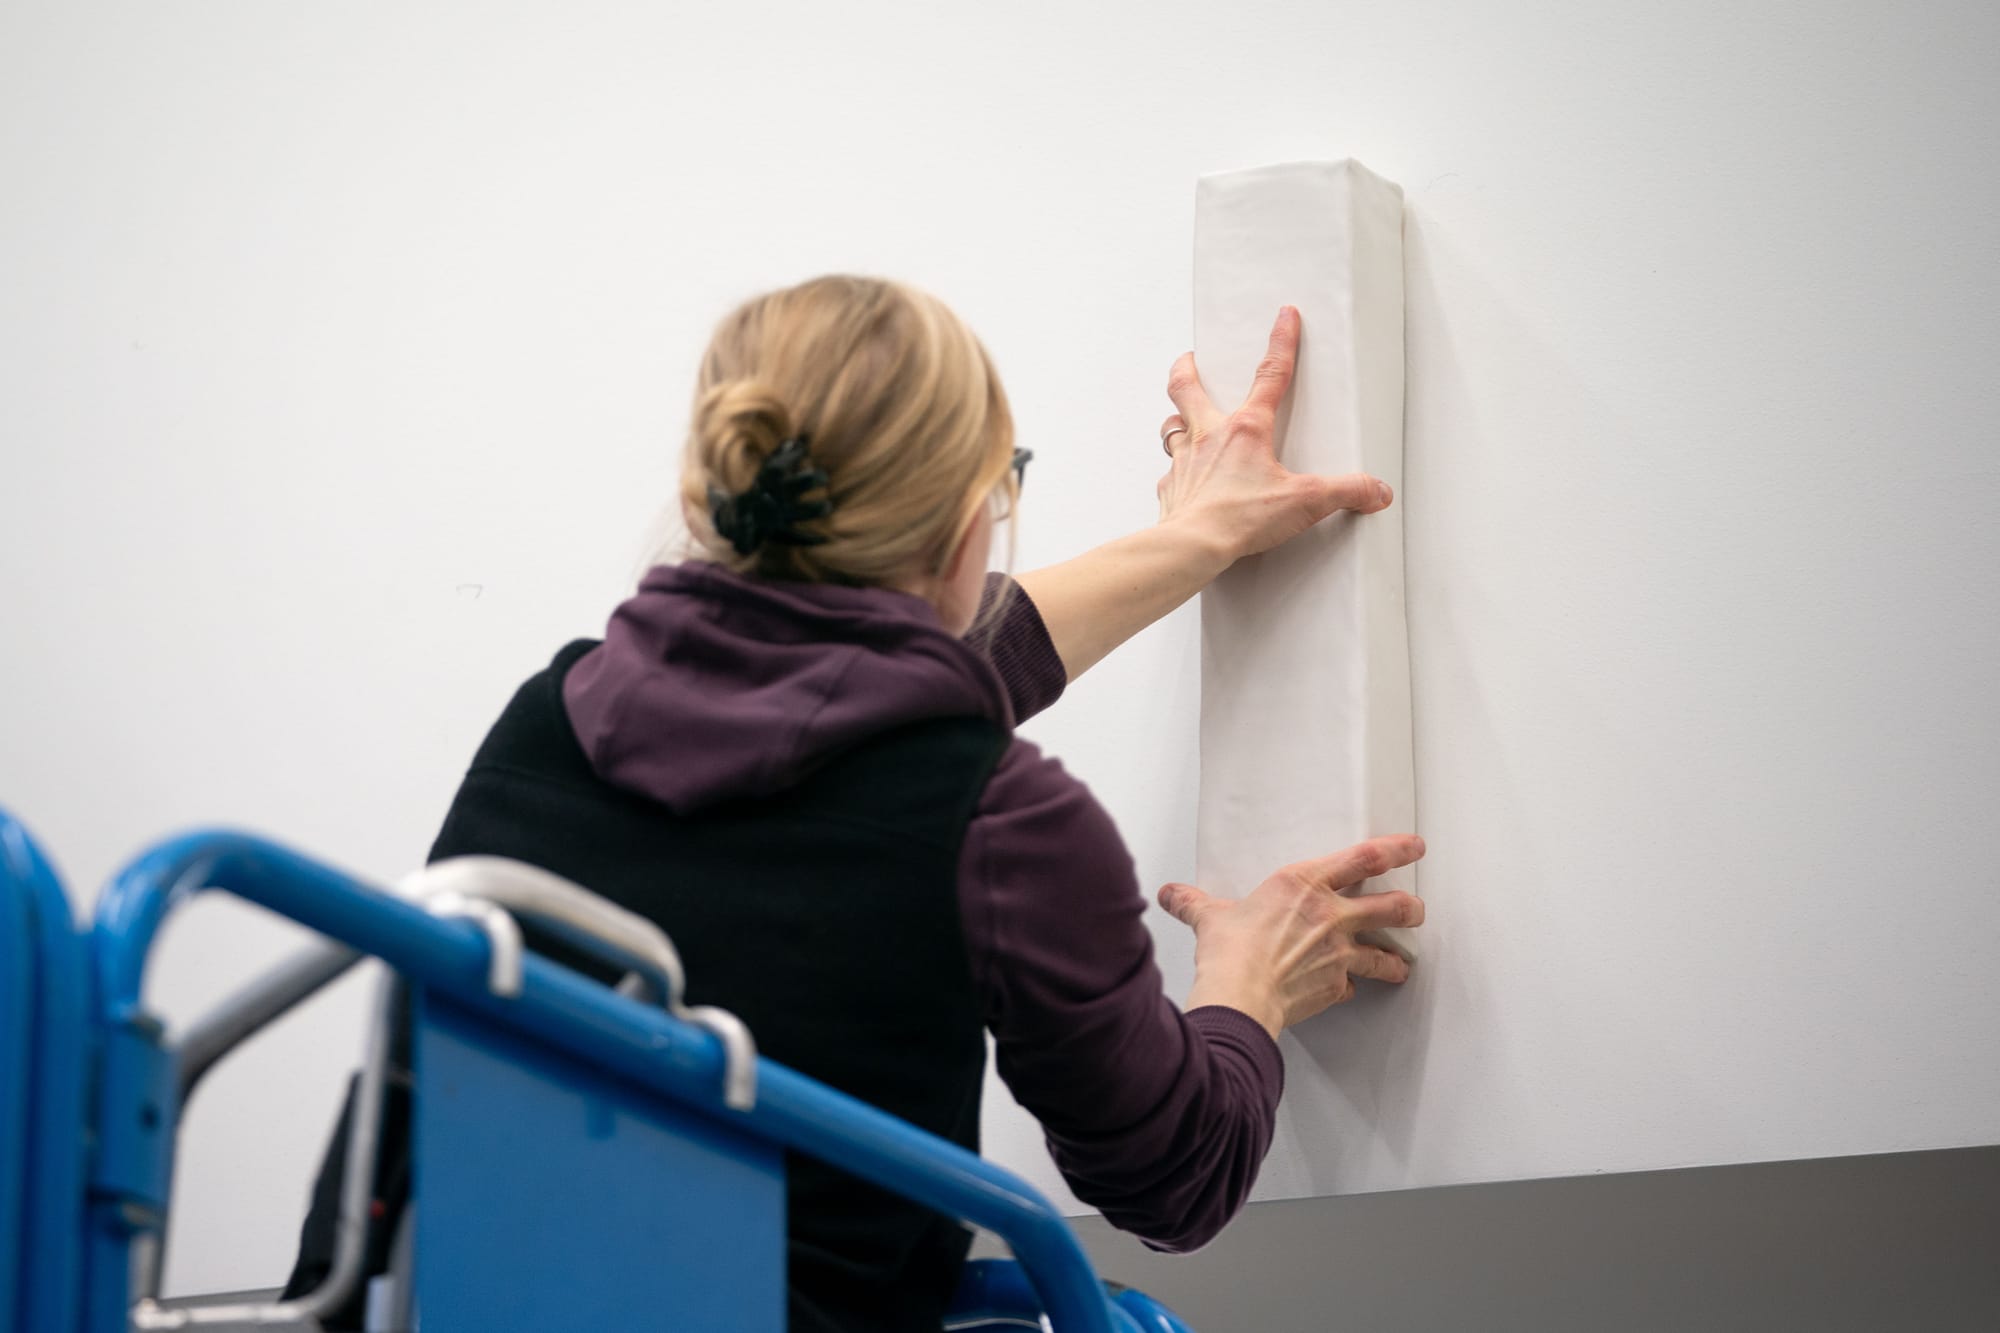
(647, 1046)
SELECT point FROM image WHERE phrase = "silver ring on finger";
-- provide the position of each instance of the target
(1167, 440)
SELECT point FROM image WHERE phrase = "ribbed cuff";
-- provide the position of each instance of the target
(1019, 646)
(1222, 1026)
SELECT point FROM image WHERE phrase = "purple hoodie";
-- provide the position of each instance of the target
(711, 686)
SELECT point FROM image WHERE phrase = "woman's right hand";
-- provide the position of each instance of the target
(1288, 950)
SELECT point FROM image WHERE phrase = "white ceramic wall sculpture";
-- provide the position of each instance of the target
(1305, 678)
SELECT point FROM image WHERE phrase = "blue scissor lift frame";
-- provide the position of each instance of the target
(582, 1157)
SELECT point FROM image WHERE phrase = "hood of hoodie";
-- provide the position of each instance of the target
(712, 686)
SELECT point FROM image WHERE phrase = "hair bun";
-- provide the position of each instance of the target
(909, 434)
(738, 424)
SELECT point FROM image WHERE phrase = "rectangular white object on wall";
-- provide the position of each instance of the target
(1305, 680)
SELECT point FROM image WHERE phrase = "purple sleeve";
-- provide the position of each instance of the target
(1010, 634)
(1158, 1118)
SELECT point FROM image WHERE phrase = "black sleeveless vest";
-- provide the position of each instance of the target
(826, 917)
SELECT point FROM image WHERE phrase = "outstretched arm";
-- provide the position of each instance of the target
(1099, 599)
(1224, 496)
(1160, 1118)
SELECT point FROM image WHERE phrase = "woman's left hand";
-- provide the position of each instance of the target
(1226, 481)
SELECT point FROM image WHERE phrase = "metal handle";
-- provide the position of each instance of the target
(532, 892)
(739, 1052)
(462, 884)
(503, 937)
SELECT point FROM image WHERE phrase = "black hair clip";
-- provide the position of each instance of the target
(767, 511)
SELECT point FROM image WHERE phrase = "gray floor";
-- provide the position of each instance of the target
(1908, 1241)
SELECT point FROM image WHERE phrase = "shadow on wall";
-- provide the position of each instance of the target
(1363, 1107)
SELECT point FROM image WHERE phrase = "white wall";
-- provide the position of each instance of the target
(345, 349)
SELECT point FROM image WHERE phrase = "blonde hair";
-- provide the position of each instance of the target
(901, 406)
